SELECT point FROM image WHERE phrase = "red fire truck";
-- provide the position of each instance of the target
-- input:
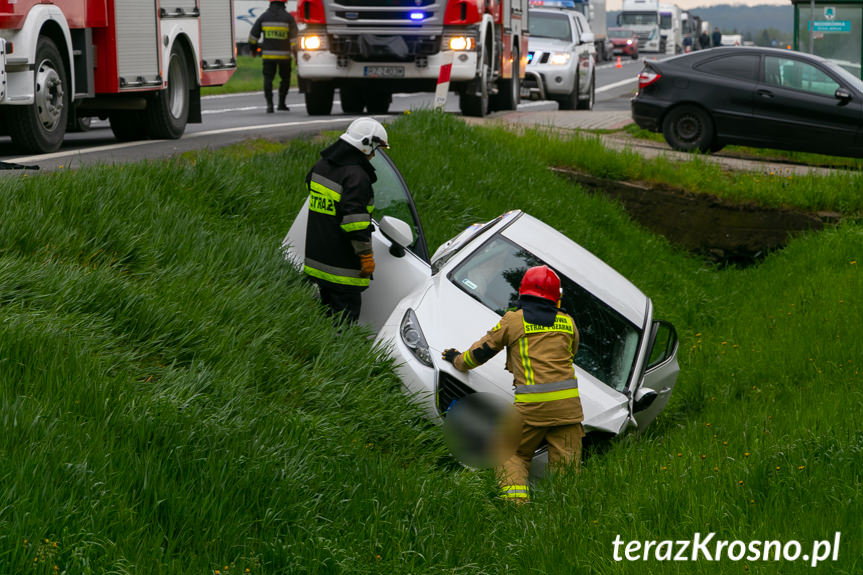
(370, 49)
(139, 63)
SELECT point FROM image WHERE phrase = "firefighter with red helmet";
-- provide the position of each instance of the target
(279, 30)
(540, 341)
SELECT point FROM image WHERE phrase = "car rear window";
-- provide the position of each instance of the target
(740, 66)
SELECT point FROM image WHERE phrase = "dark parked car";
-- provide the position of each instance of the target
(760, 97)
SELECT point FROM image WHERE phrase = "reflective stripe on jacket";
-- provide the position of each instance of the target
(339, 227)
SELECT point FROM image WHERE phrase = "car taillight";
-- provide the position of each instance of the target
(647, 77)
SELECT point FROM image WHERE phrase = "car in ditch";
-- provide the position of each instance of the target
(561, 58)
(751, 96)
(421, 304)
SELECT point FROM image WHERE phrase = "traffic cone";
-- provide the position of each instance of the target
(618, 65)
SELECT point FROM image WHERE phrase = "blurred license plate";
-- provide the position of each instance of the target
(385, 71)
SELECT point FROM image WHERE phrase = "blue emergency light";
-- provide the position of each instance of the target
(417, 15)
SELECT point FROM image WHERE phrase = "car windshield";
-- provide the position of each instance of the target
(546, 25)
(637, 18)
(608, 343)
(619, 33)
(665, 22)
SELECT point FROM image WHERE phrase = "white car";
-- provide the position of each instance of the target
(626, 361)
(561, 58)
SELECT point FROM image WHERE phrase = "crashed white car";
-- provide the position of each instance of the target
(626, 361)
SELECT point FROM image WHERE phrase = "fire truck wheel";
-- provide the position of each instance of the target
(352, 99)
(128, 125)
(40, 127)
(168, 110)
(379, 102)
(472, 103)
(510, 90)
(319, 99)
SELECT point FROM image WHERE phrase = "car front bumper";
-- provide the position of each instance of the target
(556, 80)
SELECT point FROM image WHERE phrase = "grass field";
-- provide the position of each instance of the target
(247, 78)
(174, 400)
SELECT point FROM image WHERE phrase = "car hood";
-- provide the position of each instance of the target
(451, 318)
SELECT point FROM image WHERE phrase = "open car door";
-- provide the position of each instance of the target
(659, 377)
(401, 263)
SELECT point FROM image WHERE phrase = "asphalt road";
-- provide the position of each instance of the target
(235, 118)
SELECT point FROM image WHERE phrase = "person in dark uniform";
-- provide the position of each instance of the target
(279, 30)
(339, 257)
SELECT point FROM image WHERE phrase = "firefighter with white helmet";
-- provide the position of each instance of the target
(279, 30)
(541, 341)
(339, 257)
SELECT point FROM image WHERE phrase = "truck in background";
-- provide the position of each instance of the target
(139, 63)
(671, 28)
(370, 49)
(642, 17)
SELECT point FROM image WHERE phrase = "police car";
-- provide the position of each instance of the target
(422, 303)
(561, 59)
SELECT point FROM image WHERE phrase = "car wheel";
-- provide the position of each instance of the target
(688, 128)
(591, 96)
(635, 55)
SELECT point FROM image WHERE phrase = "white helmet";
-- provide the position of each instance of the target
(366, 135)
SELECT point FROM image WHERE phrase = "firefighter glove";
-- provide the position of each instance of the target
(450, 355)
(367, 264)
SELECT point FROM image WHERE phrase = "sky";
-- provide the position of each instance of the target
(691, 4)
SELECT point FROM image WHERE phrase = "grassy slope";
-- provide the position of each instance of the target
(174, 401)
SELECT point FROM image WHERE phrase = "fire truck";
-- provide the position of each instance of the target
(139, 63)
(370, 49)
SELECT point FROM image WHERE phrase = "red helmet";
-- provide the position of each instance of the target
(541, 281)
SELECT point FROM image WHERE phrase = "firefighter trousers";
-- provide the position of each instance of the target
(283, 67)
(564, 448)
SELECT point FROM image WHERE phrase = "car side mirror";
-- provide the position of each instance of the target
(843, 94)
(398, 232)
(587, 38)
(643, 399)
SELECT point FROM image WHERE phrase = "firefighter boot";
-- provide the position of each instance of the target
(283, 93)
(269, 97)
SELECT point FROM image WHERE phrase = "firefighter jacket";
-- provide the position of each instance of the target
(279, 30)
(339, 229)
(540, 343)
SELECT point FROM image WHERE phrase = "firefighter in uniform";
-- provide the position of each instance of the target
(540, 341)
(339, 254)
(280, 37)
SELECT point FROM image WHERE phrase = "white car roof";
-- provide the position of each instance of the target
(580, 265)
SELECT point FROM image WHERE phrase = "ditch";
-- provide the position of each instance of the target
(728, 233)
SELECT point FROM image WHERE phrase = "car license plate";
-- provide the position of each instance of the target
(384, 71)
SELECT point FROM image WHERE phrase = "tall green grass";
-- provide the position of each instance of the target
(247, 78)
(175, 401)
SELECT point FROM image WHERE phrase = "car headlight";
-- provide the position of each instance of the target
(559, 58)
(414, 339)
(311, 42)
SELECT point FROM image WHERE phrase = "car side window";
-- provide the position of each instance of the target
(740, 66)
(797, 75)
(392, 198)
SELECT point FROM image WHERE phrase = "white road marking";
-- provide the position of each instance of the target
(617, 84)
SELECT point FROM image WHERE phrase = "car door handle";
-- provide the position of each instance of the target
(764, 93)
